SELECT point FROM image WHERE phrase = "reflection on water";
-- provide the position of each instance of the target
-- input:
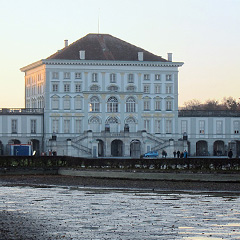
(80, 213)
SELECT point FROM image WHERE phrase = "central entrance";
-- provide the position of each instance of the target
(117, 148)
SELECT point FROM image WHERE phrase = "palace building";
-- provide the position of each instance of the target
(101, 96)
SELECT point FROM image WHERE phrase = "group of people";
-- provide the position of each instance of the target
(179, 154)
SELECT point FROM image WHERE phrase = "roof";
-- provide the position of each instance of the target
(104, 47)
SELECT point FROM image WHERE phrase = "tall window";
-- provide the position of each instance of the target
(157, 105)
(157, 77)
(168, 89)
(146, 125)
(78, 75)
(94, 104)
(157, 89)
(94, 124)
(168, 77)
(183, 126)
(78, 103)
(130, 105)
(130, 78)
(14, 126)
(146, 88)
(146, 105)
(66, 125)
(66, 87)
(168, 105)
(55, 125)
(33, 126)
(236, 127)
(78, 127)
(157, 126)
(66, 75)
(94, 77)
(66, 103)
(78, 87)
(146, 76)
(112, 78)
(112, 104)
(168, 126)
(55, 102)
(202, 127)
(219, 127)
(55, 75)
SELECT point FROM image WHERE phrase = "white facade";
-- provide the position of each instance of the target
(109, 98)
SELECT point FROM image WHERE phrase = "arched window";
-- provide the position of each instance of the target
(94, 105)
(113, 88)
(112, 104)
(131, 88)
(130, 105)
(94, 88)
(94, 124)
(131, 123)
(113, 123)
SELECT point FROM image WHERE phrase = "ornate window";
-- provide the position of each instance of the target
(94, 124)
(169, 105)
(113, 88)
(131, 88)
(146, 105)
(94, 88)
(112, 104)
(94, 104)
(157, 105)
(78, 103)
(55, 102)
(66, 103)
(130, 105)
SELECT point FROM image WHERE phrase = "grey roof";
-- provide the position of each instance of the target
(104, 47)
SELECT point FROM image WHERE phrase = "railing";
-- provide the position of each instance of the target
(21, 111)
(207, 113)
(8, 163)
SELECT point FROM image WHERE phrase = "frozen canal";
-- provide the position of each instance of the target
(81, 213)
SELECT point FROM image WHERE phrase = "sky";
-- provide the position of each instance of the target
(204, 34)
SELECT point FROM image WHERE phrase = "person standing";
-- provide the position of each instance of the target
(230, 153)
(174, 153)
(178, 154)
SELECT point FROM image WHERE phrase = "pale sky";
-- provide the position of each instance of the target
(204, 34)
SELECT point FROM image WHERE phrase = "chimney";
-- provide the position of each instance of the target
(82, 54)
(140, 56)
(66, 43)
(170, 57)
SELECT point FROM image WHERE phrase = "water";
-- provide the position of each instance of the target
(81, 213)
